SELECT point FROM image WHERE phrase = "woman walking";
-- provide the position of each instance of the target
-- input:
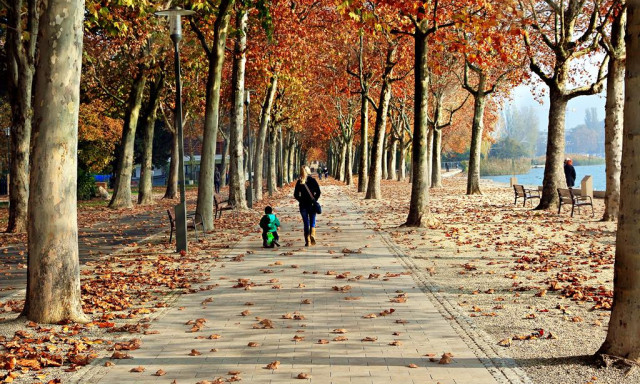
(307, 192)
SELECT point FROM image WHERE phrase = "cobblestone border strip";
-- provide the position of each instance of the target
(502, 366)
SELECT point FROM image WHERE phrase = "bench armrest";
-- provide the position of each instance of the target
(583, 198)
(532, 191)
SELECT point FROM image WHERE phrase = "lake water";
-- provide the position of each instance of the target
(535, 176)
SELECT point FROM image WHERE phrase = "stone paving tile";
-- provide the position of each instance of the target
(419, 327)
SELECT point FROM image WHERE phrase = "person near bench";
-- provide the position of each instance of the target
(569, 172)
(269, 224)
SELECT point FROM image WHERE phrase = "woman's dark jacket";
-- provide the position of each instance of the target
(570, 175)
(300, 192)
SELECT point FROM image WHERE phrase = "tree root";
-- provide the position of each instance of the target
(619, 362)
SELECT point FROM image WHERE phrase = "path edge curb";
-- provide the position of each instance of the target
(502, 366)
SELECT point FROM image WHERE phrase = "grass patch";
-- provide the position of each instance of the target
(498, 167)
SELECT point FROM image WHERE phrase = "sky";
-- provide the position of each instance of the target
(522, 96)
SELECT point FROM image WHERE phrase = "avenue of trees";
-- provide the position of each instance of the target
(375, 88)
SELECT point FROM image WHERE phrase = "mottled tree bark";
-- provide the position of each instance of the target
(419, 204)
(624, 326)
(348, 177)
(614, 118)
(342, 161)
(172, 180)
(53, 275)
(265, 120)
(473, 176)
(436, 159)
(145, 189)
(20, 65)
(271, 176)
(377, 151)
(237, 194)
(553, 167)
(429, 155)
(204, 205)
(391, 159)
(122, 190)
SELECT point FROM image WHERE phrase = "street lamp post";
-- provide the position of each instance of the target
(247, 103)
(7, 132)
(175, 28)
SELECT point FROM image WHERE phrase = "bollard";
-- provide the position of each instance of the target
(586, 186)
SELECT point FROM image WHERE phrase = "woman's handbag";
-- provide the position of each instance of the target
(316, 206)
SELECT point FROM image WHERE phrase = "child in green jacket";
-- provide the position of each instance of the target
(269, 224)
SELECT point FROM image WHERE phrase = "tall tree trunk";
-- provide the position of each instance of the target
(53, 275)
(624, 326)
(473, 176)
(204, 205)
(436, 171)
(348, 177)
(391, 160)
(285, 158)
(363, 168)
(122, 191)
(280, 158)
(429, 155)
(403, 159)
(172, 180)
(237, 194)
(553, 170)
(271, 176)
(342, 160)
(292, 154)
(419, 204)
(145, 189)
(20, 64)
(265, 120)
(614, 119)
(377, 151)
(385, 157)
(224, 163)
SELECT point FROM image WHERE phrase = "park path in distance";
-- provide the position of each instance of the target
(344, 311)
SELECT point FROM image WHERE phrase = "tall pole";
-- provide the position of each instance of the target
(175, 27)
(247, 102)
(181, 208)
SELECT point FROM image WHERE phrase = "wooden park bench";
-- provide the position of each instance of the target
(566, 196)
(525, 193)
(196, 219)
(219, 207)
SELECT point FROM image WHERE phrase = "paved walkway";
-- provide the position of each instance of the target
(304, 294)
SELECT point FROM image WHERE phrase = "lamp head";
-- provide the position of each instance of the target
(175, 23)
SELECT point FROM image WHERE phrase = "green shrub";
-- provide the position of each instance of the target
(86, 185)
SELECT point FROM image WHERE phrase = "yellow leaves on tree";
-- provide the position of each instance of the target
(98, 135)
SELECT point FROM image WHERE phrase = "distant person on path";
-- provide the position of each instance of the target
(447, 166)
(269, 224)
(326, 173)
(307, 191)
(216, 180)
(569, 172)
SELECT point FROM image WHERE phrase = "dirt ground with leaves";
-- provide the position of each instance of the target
(534, 286)
(538, 284)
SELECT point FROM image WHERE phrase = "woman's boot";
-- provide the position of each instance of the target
(306, 239)
(313, 236)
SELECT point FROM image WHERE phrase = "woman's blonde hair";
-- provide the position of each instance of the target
(304, 173)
